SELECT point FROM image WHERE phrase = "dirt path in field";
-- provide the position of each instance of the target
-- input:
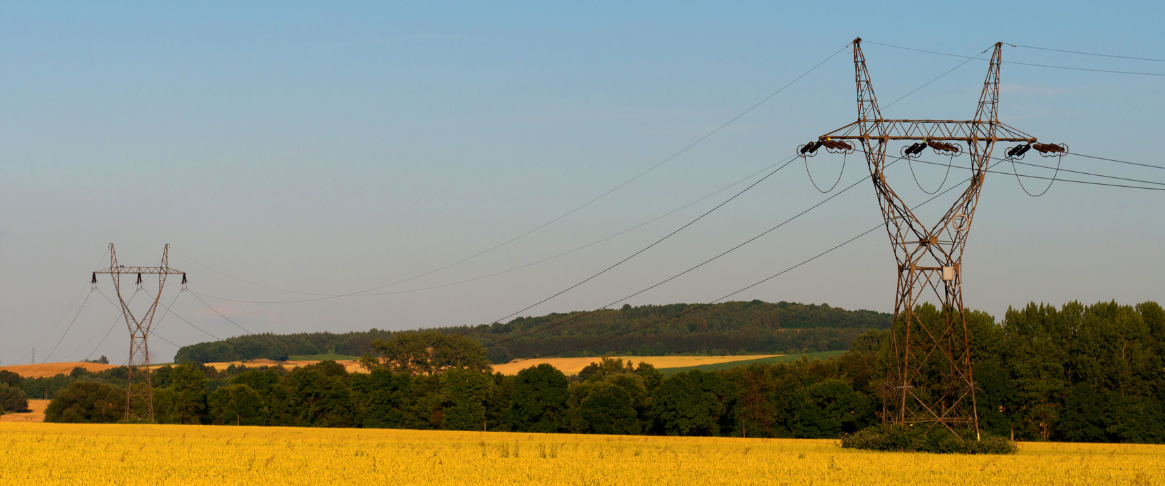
(572, 366)
(35, 416)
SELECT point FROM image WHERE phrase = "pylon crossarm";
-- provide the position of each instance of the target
(141, 270)
(938, 130)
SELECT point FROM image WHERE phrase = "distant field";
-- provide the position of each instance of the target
(572, 366)
(113, 454)
(351, 366)
(769, 360)
(322, 357)
(36, 414)
(53, 369)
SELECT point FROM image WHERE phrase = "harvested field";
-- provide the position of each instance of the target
(36, 415)
(572, 366)
(53, 369)
(351, 365)
(112, 454)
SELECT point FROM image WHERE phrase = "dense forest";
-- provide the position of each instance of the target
(1075, 373)
(719, 329)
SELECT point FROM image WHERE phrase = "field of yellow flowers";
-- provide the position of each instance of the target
(176, 454)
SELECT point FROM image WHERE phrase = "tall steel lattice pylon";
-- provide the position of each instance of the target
(139, 391)
(929, 380)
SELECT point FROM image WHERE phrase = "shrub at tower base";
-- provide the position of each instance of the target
(939, 440)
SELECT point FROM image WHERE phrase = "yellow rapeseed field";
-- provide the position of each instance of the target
(172, 454)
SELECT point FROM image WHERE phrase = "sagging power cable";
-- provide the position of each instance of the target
(556, 219)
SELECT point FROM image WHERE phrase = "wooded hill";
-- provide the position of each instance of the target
(754, 327)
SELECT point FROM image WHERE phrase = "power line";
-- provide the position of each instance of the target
(778, 274)
(1089, 53)
(112, 324)
(939, 77)
(220, 313)
(1151, 166)
(1093, 183)
(1086, 173)
(648, 247)
(682, 273)
(66, 333)
(512, 269)
(1022, 63)
(568, 213)
(99, 330)
(191, 324)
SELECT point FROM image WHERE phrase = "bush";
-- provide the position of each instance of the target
(12, 399)
(939, 440)
(85, 402)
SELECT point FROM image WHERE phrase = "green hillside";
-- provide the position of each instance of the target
(754, 327)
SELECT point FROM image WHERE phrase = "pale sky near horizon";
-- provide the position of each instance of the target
(331, 148)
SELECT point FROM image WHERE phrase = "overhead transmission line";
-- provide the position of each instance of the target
(673, 277)
(1151, 166)
(1021, 63)
(1093, 183)
(1089, 53)
(552, 221)
(525, 265)
(759, 282)
(648, 247)
(66, 333)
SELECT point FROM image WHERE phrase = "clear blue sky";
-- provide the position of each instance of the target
(333, 148)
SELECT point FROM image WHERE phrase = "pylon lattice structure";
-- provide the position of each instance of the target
(930, 380)
(139, 399)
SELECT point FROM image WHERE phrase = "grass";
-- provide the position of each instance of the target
(323, 357)
(814, 356)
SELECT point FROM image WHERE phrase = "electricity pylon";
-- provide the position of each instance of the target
(139, 399)
(929, 380)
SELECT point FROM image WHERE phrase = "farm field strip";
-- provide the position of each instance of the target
(152, 454)
(53, 369)
(572, 366)
(34, 415)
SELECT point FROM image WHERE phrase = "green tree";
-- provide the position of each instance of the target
(319, 400)
(10, 378)
(427, 352)
(237, 405)
(188, 386)
(828, 409)
(691, 403)
(12, 399)
(1083, 418)
(754, 412)
(381, 397)
(466, 393)
(87, 402)
(604, 408)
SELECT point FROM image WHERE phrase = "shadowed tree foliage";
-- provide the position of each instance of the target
(87, 402)
(319, 400)
(539, 399)
(691, 403)
(603, 408)
(237, 405)
(828, 409)
(188, 392)
(427, 352)
(381, 397)
(466, 395)
(12, 399)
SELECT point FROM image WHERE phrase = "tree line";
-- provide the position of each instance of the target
(1074, 373)
(725, 328)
